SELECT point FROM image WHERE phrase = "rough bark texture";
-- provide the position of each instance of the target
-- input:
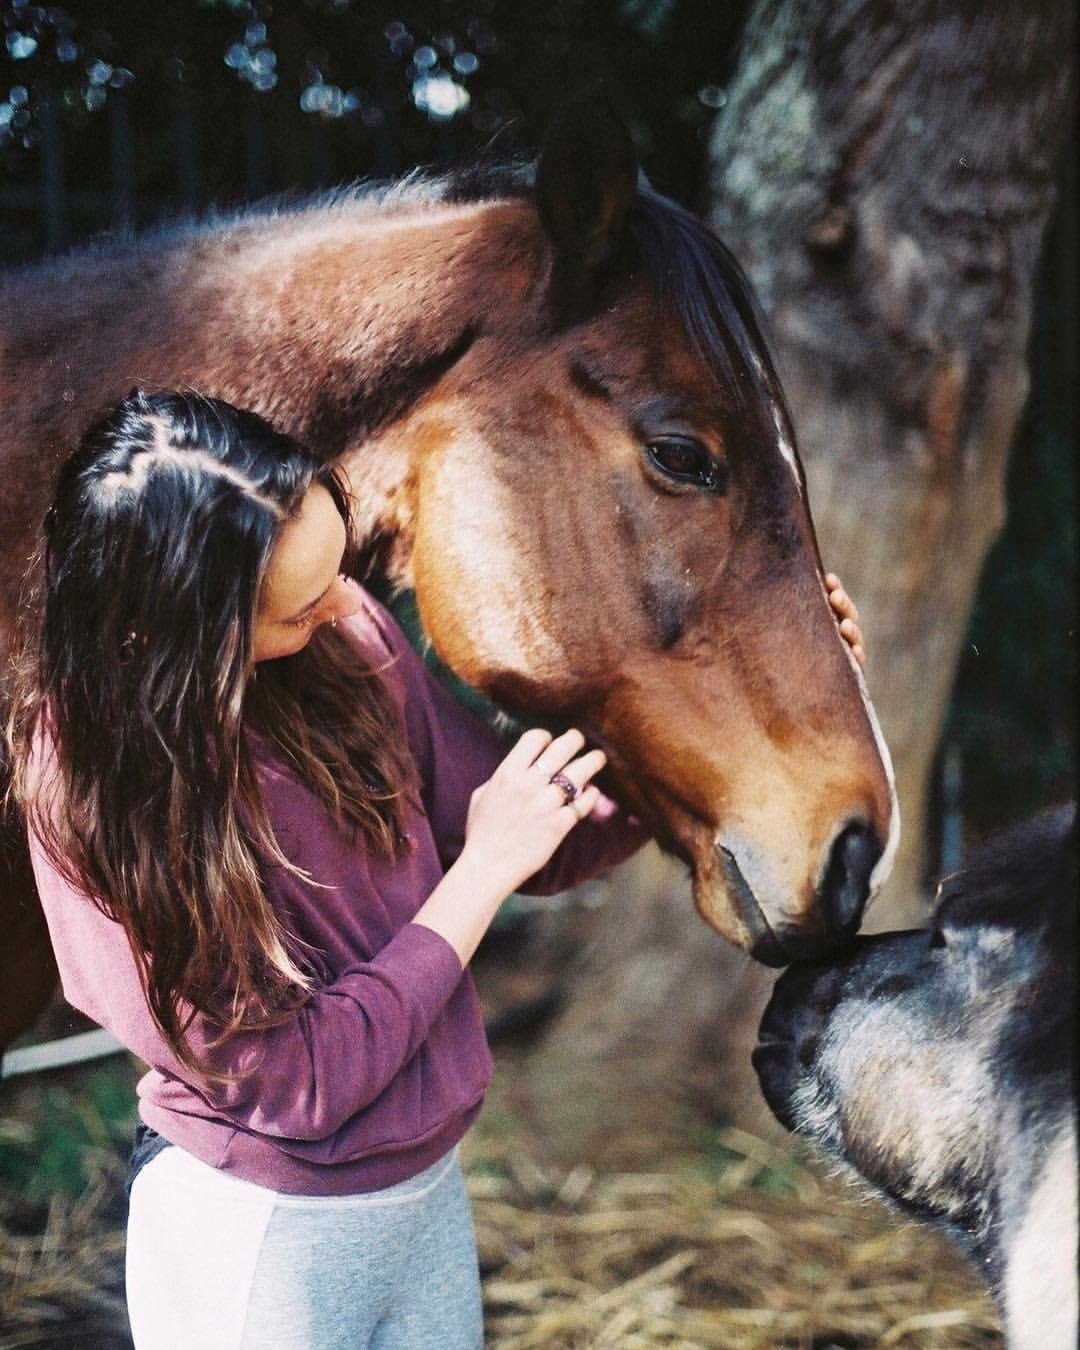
(884, 172)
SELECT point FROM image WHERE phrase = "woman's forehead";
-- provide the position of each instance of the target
(307, 555)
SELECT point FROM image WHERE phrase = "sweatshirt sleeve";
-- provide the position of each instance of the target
(456, 752)
(302, 1079)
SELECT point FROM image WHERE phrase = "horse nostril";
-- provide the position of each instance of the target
(855, 852)
(807, 1051)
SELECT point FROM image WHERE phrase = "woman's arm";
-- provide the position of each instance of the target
(307, 1076)
(302, 1079)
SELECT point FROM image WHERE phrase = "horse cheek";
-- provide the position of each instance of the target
(481, 604)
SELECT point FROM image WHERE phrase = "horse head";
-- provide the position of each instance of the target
(611, 530)
(939, 1064)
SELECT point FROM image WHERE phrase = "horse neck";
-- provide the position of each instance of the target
(388, 311)
(331, 320)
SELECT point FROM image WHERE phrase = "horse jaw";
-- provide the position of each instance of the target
(461, 534)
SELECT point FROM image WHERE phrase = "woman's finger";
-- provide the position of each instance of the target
(583, 803)
(842, 604)
(579, 771)
(852, 635)
(559, 752)
(528, 745)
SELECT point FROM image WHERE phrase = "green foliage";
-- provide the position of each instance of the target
(650, 16)
(53, 1127)
(224, 100)
(728, 1155)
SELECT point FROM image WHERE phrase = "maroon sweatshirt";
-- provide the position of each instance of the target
(384, 1068)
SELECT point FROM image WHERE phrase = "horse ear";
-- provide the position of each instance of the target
(586, 179)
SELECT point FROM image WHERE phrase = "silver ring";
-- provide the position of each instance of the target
(333, 620)
(565, 786)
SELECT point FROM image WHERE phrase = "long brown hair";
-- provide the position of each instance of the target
(138, 669)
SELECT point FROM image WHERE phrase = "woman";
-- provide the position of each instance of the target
(267, 845)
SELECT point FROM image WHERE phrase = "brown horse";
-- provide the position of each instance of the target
(563, 429)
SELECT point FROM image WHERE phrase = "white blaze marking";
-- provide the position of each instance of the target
(787, 450)
(884, 864)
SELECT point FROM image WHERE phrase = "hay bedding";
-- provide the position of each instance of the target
(683, 1259)
(61, 1286)
(691, 1256)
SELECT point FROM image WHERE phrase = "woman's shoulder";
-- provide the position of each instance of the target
(374, 632)
(400, 643)
(391, 653)
(372, 625)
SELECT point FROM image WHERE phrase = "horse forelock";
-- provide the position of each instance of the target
(702, 282)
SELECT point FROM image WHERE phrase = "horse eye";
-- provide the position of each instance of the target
(688, 461)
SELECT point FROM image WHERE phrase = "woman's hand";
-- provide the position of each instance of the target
(520, 816)
(847, 615)
(516, 821)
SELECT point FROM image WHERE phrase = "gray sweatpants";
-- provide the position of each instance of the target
(214, 1263)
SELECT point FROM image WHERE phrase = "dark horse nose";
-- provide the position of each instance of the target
(846, 884)
(841, 896)
(802, 999)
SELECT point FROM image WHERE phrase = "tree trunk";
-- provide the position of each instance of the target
(884, 173)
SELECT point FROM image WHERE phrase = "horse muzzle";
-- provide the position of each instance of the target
(787, 1042)
(777, 935)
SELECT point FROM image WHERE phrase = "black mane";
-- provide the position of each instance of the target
(1024, 877)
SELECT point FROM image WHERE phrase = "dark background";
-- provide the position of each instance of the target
(118, 113)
